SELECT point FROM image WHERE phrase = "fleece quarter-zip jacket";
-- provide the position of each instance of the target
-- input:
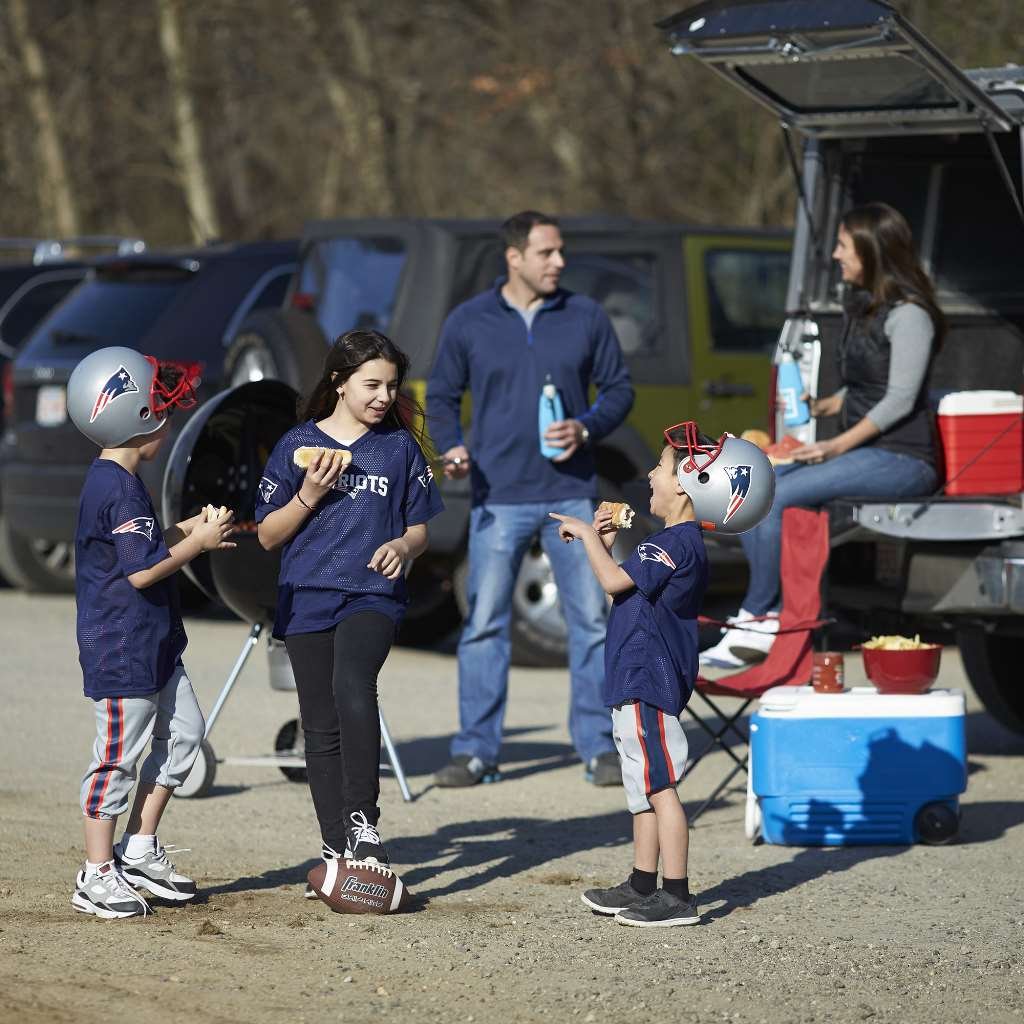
(487, 347)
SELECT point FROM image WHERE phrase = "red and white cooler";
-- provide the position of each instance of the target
(969, 422)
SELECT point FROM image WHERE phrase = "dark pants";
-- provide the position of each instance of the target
(336, 678)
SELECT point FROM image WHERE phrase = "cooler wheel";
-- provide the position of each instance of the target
(936, 824)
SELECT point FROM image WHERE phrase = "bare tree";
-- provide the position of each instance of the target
(189, 150)
(56, 196)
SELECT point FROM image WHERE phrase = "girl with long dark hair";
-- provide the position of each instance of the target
(349, 531)
(884, 449)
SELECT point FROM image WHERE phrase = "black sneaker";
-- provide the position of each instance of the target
(465, 771)
(660, 910)
(604, 770)
(328, 854)
(362, 841)
(611, 901)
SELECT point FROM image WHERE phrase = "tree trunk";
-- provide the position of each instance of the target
(192, 171)
(56, 196)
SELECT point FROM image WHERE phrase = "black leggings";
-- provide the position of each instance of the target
(336, 678)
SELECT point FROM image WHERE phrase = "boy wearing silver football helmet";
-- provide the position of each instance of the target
(130, 635)
(651, 651)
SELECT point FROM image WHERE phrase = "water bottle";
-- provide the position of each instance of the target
(796, 411)
(549, 411)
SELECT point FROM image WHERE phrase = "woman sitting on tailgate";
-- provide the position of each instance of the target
(891, 330)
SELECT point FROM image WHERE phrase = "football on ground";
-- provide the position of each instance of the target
(359, 887)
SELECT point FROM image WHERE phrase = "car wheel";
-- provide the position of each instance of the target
(276, 344)
(31, 563)
(992, 661)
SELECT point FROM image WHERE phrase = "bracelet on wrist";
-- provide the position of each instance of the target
(312, 508)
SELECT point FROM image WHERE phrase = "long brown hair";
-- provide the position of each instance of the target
(892, 272)
(345, 356)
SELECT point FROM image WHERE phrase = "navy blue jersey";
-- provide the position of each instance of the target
(651, 651)
(129, 641)
(387, 488)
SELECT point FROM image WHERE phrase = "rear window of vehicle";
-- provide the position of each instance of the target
(32, 306)
(105, 311)
(746, 297)
(355, 282)
(624, 285)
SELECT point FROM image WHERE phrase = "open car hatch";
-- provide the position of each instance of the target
(835, 68)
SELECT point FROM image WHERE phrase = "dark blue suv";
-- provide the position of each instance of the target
(184, 304)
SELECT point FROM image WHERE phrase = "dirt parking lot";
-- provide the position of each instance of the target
(919, 934)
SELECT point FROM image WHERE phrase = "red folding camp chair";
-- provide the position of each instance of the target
(804, 556)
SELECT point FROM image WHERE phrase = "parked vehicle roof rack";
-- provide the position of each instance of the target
(53, 250)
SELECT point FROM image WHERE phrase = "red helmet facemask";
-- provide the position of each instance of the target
(699, 455)
(182, 395)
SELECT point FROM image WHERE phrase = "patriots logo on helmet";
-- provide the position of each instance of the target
(267, 488)
(652, 553)
(739, 483)
(140, 524)
(118, 384)
(426, 478)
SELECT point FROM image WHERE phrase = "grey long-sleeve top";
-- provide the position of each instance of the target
(910, 331)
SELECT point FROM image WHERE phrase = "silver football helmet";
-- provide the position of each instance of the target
(731, 482)
(115, 394)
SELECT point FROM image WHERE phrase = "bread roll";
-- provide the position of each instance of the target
(758, 437)
(305, 455)
(622, 514)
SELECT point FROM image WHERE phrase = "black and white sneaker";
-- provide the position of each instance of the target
(106, 894)
(328, 853)
(155, 873)
(362, 840)
(660, 910)
(611, 901)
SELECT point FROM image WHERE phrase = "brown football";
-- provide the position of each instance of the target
(359, 887)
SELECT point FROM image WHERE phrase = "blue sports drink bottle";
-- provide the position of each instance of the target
(549, 411)
(796, 411)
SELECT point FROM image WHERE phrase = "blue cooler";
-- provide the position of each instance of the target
(856, 768)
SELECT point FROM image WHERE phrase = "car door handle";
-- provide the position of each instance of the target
(728, 389)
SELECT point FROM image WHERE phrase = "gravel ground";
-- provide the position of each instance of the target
(789, 934)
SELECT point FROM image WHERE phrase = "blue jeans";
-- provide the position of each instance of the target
(861, 473)
(499, 536)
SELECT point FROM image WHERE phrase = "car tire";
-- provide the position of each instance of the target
(28, 563)
(277, 344)
(992, 663)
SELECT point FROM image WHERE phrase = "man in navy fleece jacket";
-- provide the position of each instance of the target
(503, 345)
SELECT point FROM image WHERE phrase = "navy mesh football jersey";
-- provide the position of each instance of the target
(387, 487)
(651, 651)
(129, 641)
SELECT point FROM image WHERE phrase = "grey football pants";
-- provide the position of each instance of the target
(124, 726)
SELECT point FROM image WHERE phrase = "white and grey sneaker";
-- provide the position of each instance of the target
(328, 854)
(744, 643)
(106, 894)
(155, 873)
(362, 840)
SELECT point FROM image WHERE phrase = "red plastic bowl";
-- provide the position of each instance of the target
(902, 671)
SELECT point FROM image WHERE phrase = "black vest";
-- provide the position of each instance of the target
(863, 354)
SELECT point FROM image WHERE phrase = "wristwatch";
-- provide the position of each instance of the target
(584, 434)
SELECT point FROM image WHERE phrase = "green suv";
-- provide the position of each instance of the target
(697, 312)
